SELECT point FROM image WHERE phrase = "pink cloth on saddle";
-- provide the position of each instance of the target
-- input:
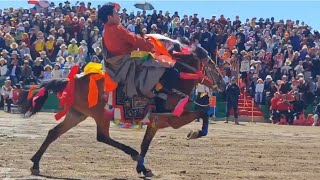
(178, 110)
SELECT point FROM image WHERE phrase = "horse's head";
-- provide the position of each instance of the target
(210, 69)
(199, 60)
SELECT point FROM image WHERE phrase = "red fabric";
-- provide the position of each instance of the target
(184, 51)
(160, 47)
(30, 93)
(120, 41)
(282, 106)
(39, 94)
(274, 102)
(93, 89)
(33, 1)
(184, 75)
(67, 96)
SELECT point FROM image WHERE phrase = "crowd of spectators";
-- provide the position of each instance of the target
(41, 44)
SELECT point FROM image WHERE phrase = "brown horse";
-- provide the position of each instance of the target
(80, 110)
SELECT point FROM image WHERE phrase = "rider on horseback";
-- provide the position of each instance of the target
(119, 41)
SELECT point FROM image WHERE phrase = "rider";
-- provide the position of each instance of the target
(120, 41)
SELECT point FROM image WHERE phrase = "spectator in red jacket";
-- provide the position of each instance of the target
(284, 107)
(275, 116)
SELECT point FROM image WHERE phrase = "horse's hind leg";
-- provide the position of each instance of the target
(103, 136)
(148, 136)
(71, 120)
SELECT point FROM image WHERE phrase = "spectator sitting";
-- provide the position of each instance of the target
(60, 60)
(14, 72)
(14, 47)
(95, 59)
(47, 74)
(83, 44)
(37, 68)
(15, 56)
(57, 72)
(49, 45)
(26, 71)
(24, 49)
(73, 48)
(81, 57)
(63, 52)
(97, 52)
(7, 94)
(44, 58)
(68, 65)
(285, 86)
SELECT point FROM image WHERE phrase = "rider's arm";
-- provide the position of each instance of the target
(136, 41)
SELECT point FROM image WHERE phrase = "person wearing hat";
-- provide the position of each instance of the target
(47, 74)
(37, 68)
(7, 94)
(14, 71)
(49, 46)
(81, 57)
(286, 66)
(45, 59)
(26, 72)
(98, 53)
(94, 34)
(285, 86)
(233, 92)
(24, 49)
(84, 45)
(63, 52)
(15, 56)
(3, 68)
(298, 107)
(13, 47)
(259, 91)
(57, 72)
(73, 48)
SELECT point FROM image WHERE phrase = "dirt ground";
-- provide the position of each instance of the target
(248, 151)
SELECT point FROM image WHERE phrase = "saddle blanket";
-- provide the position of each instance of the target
(129, 110)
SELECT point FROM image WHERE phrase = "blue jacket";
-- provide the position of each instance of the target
(2, 44)
(233, 92)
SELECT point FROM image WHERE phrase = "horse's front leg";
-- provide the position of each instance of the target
(148, 136)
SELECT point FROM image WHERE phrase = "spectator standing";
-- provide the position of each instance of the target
(233, 92)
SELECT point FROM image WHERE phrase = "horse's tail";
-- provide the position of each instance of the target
(37, 101)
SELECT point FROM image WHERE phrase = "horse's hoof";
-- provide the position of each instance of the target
(135, 157)
(148, 173)
(193, 135)
(35, 172)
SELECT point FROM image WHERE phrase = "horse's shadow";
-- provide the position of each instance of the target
(52, 177)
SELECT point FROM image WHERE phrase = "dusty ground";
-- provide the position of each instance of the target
(249, 151)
